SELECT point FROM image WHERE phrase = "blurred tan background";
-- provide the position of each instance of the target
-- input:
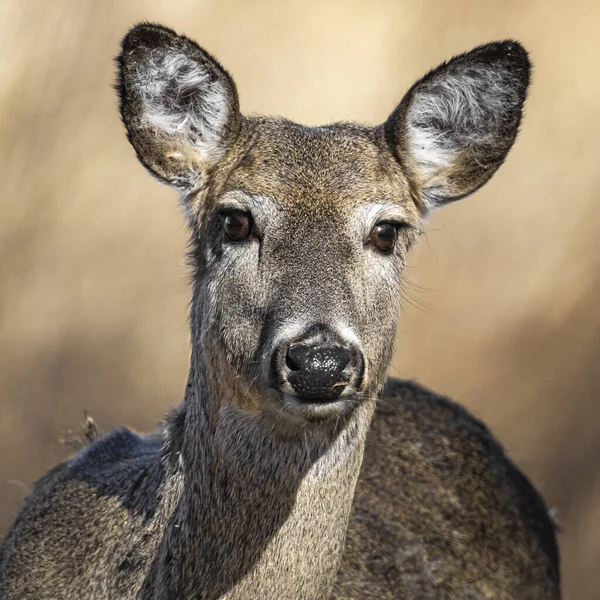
(504, 313)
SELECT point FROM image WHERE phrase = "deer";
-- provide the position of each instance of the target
(294, 468)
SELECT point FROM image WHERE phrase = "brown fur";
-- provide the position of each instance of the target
(441, 512)
(240, 493)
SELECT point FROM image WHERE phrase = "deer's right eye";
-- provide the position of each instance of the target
(238, 226)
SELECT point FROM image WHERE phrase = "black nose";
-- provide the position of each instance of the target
(318, 371)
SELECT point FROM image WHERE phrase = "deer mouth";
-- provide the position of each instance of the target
(317, 408)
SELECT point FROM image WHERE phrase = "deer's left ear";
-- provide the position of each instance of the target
(179, 105)
(454, 127)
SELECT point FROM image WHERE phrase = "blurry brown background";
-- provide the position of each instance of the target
(93, 285)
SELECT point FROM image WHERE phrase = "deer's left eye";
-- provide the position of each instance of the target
(384, 237)
(238, 225)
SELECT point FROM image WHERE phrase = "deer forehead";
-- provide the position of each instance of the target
(315, 173)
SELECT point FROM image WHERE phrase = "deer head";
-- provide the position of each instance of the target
(300, 234)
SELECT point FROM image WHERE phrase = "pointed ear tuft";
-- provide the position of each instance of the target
(179, 105)
(454, 128)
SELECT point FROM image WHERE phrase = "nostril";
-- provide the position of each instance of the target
(334, 358)
(289, 362)
(298, 356)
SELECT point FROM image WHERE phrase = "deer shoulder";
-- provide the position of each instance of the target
(441, 511)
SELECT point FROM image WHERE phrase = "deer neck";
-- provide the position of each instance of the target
(258, 514)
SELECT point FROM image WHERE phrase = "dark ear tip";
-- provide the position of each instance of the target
(508, 55)
(512, 51)
(150, 35)
(508, 52)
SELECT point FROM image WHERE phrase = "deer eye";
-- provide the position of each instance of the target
(384, 236)
(238, 225)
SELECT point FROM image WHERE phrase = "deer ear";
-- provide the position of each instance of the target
(180, 107)
(454, 127)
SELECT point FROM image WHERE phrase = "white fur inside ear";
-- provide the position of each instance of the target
(180, 100)
(453, 113)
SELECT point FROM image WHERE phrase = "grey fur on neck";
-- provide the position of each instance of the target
(278, 505)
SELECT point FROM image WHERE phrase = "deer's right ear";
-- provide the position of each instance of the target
(180, 107)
